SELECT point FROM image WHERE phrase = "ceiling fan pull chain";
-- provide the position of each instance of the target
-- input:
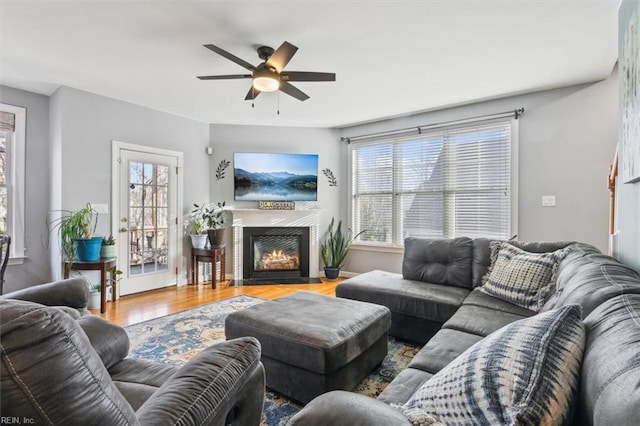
(278, 111)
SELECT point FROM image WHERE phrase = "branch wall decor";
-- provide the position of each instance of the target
(330, 177)
(221, 168)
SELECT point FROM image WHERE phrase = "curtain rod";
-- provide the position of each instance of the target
(515, 113)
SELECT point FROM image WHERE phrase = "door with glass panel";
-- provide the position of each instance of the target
(147, 243)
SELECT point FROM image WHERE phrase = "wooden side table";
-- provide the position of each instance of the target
(102, 265)
(213, 256)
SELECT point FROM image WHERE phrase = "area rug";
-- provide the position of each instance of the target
(176, 338)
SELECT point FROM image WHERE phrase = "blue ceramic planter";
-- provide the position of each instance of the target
(88, 249)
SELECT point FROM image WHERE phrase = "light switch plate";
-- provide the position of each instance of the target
(548, 201)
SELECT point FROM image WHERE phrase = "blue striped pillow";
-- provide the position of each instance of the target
(522, 278)
(525, 373)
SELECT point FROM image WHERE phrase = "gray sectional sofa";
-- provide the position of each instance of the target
(436, 301)
(64, 366)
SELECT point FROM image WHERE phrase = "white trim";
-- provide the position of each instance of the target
(17, 192)
(116, 147)
(254, 217)
(515, 132)
(381, 248)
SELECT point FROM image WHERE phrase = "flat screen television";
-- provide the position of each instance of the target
(275, 177)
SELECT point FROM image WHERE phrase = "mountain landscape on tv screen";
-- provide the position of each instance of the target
(274, 186)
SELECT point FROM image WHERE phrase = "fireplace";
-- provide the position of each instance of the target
(275, 253)
(247, 220)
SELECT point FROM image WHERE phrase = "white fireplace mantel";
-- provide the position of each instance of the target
(257, 218)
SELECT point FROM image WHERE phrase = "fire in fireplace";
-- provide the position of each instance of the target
(275, 252)
(277, 259)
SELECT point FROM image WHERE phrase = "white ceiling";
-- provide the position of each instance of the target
(391, 57)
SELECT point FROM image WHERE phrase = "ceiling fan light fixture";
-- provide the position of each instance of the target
(266, 82)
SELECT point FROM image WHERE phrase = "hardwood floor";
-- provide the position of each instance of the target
(140, 307)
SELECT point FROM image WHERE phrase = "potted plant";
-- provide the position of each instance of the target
(95, 289)
(108, 249)
(194, 227)
(94, 296)
(334, 249)
(76, 234)
(212, 216)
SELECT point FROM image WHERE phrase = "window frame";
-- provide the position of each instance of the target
(16, 192)
(398, 246)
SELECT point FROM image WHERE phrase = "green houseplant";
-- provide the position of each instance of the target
(335, 247)
(194, 227)
(76, 234)
(213, 218)
(108, 249)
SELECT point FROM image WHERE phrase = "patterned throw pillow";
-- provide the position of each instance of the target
(520, 277)
(526, 373)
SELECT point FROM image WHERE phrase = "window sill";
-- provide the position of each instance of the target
(377, 248)
(16, 260)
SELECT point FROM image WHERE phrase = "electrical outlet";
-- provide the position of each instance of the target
(101, 208)
(548, 201)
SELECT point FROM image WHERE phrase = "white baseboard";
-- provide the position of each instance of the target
(343, 274)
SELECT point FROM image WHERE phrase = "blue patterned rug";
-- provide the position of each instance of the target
(176, 338)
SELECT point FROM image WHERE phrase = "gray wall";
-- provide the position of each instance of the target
(227, 139)
(35, 268)
(567, 140)
(628, 195)
(83, 126)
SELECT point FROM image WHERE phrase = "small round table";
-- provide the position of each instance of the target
(213, 256)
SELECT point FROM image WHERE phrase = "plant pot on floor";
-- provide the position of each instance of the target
(199, 241)
(94, 300)
(88, 249)
(216, 237)
(331, 273)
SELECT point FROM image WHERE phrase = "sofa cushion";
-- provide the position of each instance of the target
(138, 379)
(480, 320)
(526, 373)
(443, 348)
(446, 262)
(482, 299)
(522, 278)
(482, 253)
(416, 298)
(404, 385)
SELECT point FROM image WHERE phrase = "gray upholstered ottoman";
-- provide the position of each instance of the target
(313, 343)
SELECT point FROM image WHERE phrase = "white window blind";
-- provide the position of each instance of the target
(444, 183)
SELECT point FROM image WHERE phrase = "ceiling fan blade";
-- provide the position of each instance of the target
(253, 93)
(230, 57)
(282, 56)
(291, 90)
(307, 76)
(224, 77)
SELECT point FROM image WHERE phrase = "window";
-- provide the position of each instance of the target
(12, 166)
(442, 183)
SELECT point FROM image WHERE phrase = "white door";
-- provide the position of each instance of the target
(147, 208)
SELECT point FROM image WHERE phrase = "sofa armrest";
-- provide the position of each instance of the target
(71, 292)
(110, 341)
(340, 408)
(221, 385)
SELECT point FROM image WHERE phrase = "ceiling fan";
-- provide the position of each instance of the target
(269, 75)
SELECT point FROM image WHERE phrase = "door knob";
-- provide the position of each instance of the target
(124, 229)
